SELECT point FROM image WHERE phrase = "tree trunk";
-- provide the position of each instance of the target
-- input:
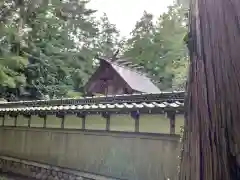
(211, 141)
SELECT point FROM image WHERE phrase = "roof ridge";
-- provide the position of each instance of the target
(115, 61)
(144, 73)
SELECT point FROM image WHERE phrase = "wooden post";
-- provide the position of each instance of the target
(137, 124)
(15, 120)
(29, 120)
(136, 116)
(108, 123)
(45, 121)
(84, 122)
(44, 117)
(107, 116)
(63, 121)
(172, 117)
(3, 120)
(61, 115)
(82, 115)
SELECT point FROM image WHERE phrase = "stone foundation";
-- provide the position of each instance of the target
(42, 171)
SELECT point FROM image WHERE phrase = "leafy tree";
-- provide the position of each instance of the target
(52, 45)
(159, 47)
(141, 48)
(171, 31)
(46, 33)
(169, 39)
(138, 46)
(108, 36)
(12, 64)
(12, 68)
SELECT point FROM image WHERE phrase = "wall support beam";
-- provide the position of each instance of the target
(172, 118)
(83, 122)
(3, 119)
(62, 121)
(15, 120)
(136, 116)
(45, 121)
(108, 123)
(29, 120)
(107, 116)
(83, 117)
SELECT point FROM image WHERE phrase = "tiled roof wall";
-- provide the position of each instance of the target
(137, 101)
(85, 107)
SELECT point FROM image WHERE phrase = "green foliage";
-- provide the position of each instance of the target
(49, 36)
(11, 71)
(108, 36)
(49, 48)
(160, 48)
(74, 94)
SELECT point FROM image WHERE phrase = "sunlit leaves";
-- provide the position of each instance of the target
(158, 46)
(11, 71)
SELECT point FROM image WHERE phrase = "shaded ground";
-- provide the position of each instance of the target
(7, 176)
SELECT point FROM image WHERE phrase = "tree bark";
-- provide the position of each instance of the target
(211, 141)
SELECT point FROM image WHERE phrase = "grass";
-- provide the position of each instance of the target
(148, 123)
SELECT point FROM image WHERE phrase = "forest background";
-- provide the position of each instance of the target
(47, 48)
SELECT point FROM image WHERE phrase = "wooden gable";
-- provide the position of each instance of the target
(107, 81)
(115, 76)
